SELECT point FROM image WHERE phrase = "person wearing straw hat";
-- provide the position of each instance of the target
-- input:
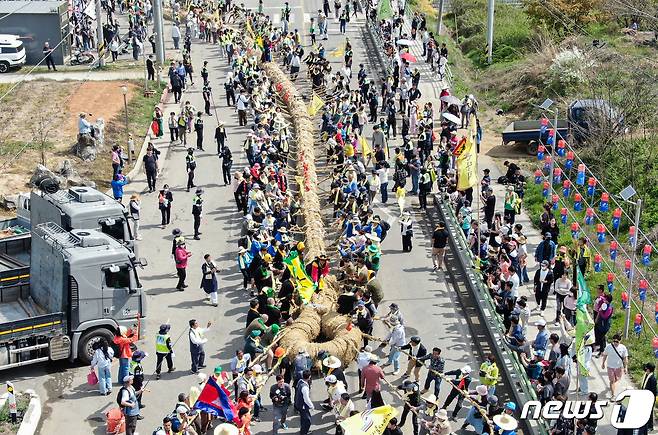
(461, 383)
(333, 366)
(431, 417)
(505, 424)
(226, 429)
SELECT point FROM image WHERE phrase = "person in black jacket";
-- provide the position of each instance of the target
(253, 312)
(417, 350)
(227, 163)
(462, 381)
(392, 428)
(543, 281)
(220, 137)
(411, 392)
(649, 383)
(281, 396)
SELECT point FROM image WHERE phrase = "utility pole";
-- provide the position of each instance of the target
(490, 30)
(638, 211)
(159, 32)
(100, 40)
(552, 168)
(440, 25)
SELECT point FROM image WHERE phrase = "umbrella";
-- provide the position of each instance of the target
(452, 118)
(408, 57)
(450, 99)
(404, 42)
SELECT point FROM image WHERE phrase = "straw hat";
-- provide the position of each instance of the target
(332, 362)
(481, 390)
(433, 400)
(226, 429)
(442, 414)
(505, 421)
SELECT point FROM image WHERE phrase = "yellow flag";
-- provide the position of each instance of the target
(371, 422)
(365, 148)
(251, 32)
(467, 173)
(303, 283)
(316, 104)
(338, 52)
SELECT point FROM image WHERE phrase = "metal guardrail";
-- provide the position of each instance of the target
(507, 359)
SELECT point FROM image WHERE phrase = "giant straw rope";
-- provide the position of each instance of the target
(319, 318)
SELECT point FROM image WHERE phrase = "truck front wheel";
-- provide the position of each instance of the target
(85, 346)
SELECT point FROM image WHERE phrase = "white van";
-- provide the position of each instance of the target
(12, 52)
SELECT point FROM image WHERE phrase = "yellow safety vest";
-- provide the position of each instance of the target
(161, 343)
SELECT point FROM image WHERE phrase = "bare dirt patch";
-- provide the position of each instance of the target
(41, 124)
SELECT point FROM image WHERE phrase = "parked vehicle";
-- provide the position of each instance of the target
(12, 52)
(582, 117)
(81, 58)
(86, 287)
(75, 208)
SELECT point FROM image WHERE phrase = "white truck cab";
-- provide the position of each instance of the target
(12, 52)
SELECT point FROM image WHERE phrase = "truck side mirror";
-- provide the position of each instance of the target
(143, 262)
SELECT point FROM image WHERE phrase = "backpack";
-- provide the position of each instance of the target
(175, 423)
(176, 81)
(119, 397)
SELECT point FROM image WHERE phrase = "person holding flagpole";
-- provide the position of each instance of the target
(197, 340)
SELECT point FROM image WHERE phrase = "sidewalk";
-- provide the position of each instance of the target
(61, 76)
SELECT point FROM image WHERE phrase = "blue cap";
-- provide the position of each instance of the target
(511, 406)
(361, 304)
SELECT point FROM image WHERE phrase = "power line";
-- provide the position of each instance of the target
(637, 11)
(26, 4)
(92, 66)
(26, 75)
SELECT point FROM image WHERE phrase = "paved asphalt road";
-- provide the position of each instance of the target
(425, 299)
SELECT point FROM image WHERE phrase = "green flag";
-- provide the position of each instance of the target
(584, 296)
(384, 10)
(584, 323)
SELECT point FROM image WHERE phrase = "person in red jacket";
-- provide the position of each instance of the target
(181, 254)
(124, 338)
(319, 268)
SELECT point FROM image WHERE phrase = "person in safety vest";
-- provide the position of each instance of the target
(163, 350)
